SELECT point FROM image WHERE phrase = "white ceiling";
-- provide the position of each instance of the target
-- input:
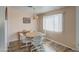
(38, 9)
(43, 9)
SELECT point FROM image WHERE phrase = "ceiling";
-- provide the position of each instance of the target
(38, 9)
(43, 9)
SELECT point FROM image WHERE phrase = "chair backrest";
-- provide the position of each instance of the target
(24, 39)
(37, 40)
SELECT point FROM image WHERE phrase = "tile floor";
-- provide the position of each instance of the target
(53, 47)
(49, 47)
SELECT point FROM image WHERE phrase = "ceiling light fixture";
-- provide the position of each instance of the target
(35, 17)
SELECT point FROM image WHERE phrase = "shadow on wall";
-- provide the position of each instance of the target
(2, 39)
(13, 37)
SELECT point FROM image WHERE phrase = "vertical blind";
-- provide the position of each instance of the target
(53, 22)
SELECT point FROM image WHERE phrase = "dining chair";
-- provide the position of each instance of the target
(38, 44)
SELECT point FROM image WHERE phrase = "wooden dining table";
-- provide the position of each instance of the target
(31, 34)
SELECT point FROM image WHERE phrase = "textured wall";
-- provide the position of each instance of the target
(15, 22)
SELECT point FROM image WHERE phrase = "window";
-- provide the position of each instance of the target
(53, 22)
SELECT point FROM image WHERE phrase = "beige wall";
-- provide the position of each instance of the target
(67, 37)
(15, 22)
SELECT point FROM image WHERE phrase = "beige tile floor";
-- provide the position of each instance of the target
(49, 47)
(53, 47)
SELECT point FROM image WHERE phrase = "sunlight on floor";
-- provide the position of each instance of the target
(49, 49)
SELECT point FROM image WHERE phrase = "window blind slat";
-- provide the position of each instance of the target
(53, 22)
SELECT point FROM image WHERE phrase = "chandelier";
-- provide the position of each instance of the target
(35, 17)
